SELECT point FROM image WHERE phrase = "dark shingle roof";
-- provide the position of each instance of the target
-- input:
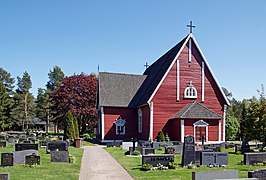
(196, 110)
(155, 73)
(118, 90)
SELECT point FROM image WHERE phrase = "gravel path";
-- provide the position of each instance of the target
(98, 164)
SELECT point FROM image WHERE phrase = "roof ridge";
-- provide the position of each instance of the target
(190, 106)
(123, 74)
(207, 108)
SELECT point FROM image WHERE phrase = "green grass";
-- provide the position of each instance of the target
(133, 165)
(46, 170)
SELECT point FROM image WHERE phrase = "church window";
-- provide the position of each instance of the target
(120, 126)
(140, 121)
(120, 130)
(190, 92)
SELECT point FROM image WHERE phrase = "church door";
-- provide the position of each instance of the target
(200, 131)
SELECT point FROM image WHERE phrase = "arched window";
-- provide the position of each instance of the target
(140, 121)
(190, 92)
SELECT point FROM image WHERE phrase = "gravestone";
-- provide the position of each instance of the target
(7, 159)
(126, 145)
(2, 138)
(237, 148)
(198, 156)
(26, 146)
(188, 155)
(26, 142)
(113, 144)
(176, 142)
(213, 147)
(245, 147)
(155, 145)
(4, 176)
(32, 160)
(2, 143)
(169, 150)
(20, 156)
(254, 158)
(59, 156)
(259, 173)
(56, 145)
(177, 149)
(211, 175)
(146, 151)
(214, 158)
(11, 140)
(154, 160)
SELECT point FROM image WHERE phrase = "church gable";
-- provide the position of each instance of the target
(189, 65)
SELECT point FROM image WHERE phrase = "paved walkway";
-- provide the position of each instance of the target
(98, 164)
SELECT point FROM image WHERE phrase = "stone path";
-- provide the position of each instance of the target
(98, 164)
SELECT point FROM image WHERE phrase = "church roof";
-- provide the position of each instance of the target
(127, 90)
(155, 73)
(196, 110)
(118, 90)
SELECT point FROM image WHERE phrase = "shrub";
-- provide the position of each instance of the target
(160, 136)
(72, 159)
(87, 137)
(146, 167)
(172, 165)
(136, 153)
(127, 153)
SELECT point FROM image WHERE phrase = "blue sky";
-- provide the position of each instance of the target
(122, 35)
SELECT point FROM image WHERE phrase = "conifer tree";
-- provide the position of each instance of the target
(69, 129)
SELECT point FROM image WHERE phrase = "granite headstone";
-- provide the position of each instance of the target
(188, 155)
(7, 159)
(154, 160)
(59, 156)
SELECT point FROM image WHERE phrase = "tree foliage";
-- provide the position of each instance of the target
(6, 100)
(160, 136)
(69, 129)
(77, 94)
(55, 79)
(7, 80)
(5, 108)
(24, 106)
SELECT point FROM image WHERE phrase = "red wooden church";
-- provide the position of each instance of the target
(177, 94)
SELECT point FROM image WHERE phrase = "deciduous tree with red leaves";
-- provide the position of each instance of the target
(77, 95)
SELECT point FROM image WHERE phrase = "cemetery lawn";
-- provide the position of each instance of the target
(133, 166)
(46, 170)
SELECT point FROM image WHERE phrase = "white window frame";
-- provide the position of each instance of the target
(140, 121)
(122, 132)
(190, 92)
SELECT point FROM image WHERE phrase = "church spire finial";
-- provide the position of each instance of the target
(190, 26)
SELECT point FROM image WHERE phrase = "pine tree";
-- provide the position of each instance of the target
(24, 106)
(6, 100)
(56, 77)
(5, 106)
